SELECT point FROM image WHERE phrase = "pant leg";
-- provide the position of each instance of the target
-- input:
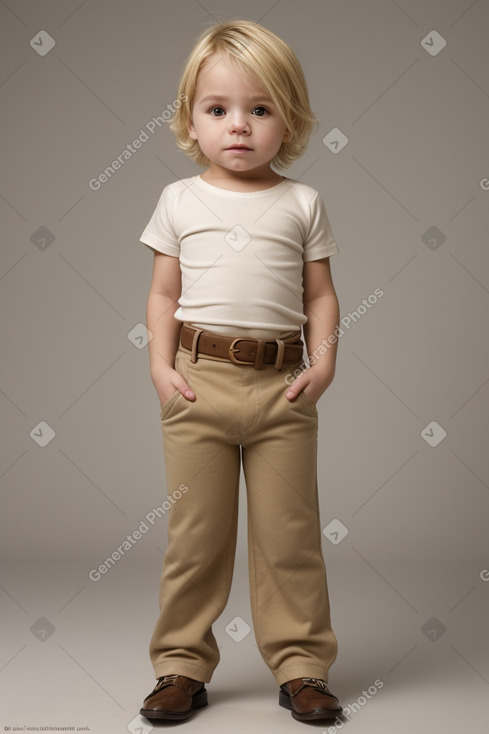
(202, 526)
(288, 584)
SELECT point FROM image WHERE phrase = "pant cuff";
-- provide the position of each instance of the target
(300, 670)
(198, 672)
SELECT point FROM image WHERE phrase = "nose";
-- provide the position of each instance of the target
(238, 122)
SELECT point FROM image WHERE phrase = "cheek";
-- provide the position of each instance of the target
(208, 138)
(206, 132)
(274, 137)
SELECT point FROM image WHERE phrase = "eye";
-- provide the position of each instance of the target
(261, 112)
(213, 110)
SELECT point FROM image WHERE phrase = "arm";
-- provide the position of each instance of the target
(322, 310)
(165, 289)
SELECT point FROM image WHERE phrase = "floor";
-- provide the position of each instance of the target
(413, 650)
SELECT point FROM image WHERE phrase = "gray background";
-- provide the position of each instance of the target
(416, 159)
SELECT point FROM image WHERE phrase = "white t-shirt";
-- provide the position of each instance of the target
(241, 254)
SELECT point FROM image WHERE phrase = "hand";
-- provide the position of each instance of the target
(312, 382)
(167, 381)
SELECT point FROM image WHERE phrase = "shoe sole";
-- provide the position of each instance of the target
(284, 700)
(199, 700)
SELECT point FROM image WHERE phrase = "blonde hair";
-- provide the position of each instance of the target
(270, 63)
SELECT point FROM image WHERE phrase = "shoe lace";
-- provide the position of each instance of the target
(316, 683)
(165, 680)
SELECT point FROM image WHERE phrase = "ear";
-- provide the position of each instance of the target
(191, 130)
(286, 136)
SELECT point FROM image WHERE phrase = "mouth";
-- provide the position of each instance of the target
(238, 147)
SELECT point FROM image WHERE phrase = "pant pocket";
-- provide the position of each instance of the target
(309, 402)
(181, 366)
(302, 399)
(168, 404)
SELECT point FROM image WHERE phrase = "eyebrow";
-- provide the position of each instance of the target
(221, 98)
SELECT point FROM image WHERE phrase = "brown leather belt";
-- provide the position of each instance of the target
(242, 350)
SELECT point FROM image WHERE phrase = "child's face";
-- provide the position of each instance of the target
(229, 110)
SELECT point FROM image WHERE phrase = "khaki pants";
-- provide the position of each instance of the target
(239, 406)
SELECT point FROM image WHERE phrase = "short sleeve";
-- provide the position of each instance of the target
(159, 232)
(319, 242)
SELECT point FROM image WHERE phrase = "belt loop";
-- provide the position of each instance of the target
(195, 345)
(280, 354)
(260, 354)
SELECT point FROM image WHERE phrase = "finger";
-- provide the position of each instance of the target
(297, 386)
(292, 393)
(183, 387)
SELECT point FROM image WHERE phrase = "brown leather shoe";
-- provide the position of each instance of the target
(174, 697)
(309, 699)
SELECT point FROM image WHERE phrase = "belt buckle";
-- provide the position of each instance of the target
(260, 351)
